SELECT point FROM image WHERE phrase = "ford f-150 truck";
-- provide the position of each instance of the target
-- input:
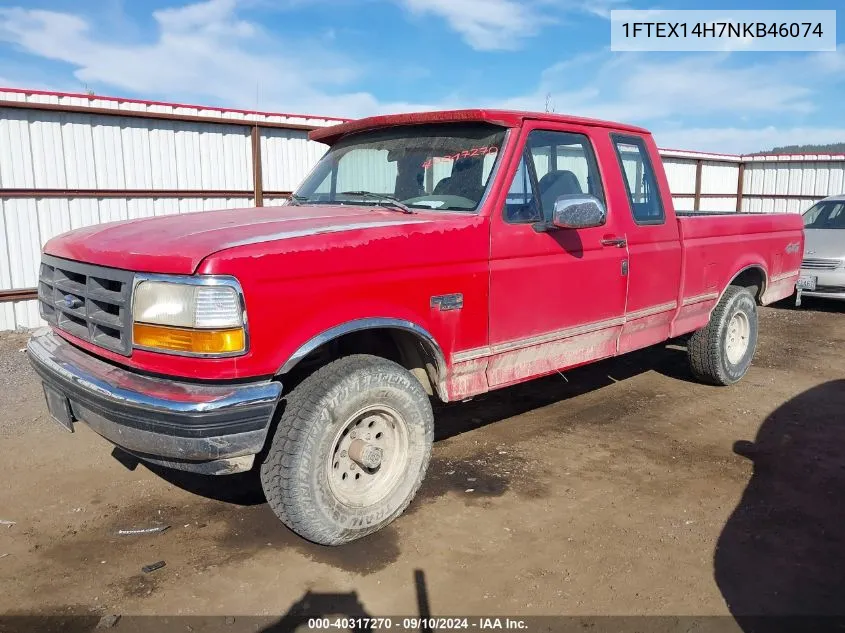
(427, 256)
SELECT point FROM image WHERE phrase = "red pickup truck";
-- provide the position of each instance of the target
(427, 256)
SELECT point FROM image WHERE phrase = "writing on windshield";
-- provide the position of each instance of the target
(466, 153)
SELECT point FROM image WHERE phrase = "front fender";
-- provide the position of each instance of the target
(358, 325)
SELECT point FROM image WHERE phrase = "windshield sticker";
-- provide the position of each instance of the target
(432, 204)
(467, 153)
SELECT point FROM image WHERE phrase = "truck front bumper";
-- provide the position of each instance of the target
(200, 427)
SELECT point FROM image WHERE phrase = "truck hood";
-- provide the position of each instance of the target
(824, 243)
(177, 244)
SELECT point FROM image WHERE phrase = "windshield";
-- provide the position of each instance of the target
(827, 214)
(442, 167)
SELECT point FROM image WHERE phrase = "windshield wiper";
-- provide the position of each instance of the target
(390, 200)
(296, 200)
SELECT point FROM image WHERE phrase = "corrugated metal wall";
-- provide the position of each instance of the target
(781, 183)
(77, 151)
(53, 163)
(680, 173)
(67, 161)
(791, 183)
(286, 157)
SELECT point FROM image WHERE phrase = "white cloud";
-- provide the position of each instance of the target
(830, 61)
(734, 140)
(485, 25)
(206, 52)
(639, 88)
(668, 95)
(202, 51)
(599, 8)
(213, 18)
(490, 25)
(9, 82)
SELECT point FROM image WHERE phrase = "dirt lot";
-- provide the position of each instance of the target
(629, 489)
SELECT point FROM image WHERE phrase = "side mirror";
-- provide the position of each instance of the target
(578, 211)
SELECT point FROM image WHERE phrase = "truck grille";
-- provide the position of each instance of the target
(89, 302)
(820, 264)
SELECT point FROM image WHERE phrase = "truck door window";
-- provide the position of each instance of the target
(521, 202)
(564, 164)
(640, 182)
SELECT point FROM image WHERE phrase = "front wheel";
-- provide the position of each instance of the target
(721, 352)
(350, 451)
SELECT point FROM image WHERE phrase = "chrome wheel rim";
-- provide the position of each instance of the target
(375, 432)
(739, 331)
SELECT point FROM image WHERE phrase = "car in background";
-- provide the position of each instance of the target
(823, 266)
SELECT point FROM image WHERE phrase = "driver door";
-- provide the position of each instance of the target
(557, 298)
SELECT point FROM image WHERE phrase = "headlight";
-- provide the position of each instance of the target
(188, 318)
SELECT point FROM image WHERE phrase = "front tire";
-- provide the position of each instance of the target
(721, 352)
(350, 451)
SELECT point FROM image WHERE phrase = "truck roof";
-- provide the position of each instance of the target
(505, 118)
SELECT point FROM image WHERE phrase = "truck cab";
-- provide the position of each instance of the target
(429, 256)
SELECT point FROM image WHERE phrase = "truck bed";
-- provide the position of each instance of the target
(705, 212)
(717, 247)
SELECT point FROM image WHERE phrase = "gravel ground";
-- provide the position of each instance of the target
(629, 489)
(19, 391)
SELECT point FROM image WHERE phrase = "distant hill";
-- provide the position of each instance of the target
(830, 148)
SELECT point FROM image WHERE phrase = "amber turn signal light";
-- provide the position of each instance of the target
(188, 341)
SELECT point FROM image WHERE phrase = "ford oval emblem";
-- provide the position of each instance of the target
(72, 302)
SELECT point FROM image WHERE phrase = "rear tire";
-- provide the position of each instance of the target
(721, 352)
(309, 476)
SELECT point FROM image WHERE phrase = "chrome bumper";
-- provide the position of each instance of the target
(830, 284)
(210, 428)
(824, 295)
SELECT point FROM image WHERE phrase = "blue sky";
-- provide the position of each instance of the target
(360, 57)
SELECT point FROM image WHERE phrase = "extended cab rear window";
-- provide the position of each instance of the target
(640, 181)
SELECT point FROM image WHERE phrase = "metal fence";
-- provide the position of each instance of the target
(774, 183)
(68, 161)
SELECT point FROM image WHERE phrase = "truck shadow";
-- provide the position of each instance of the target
(811, 304)
(781, 551)
(348, 606)
(454, 419)
(328, 607)
(241, 489)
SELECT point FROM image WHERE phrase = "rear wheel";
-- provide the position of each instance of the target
(350, 451)
(721, 352)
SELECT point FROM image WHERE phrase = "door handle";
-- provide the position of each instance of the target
(618, 242)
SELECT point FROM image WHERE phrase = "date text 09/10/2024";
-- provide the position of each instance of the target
(417, 624)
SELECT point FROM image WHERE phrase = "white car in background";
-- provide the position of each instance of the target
(823, 268)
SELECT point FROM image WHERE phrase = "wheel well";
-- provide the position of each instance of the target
(411, 351)
(754, 279)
